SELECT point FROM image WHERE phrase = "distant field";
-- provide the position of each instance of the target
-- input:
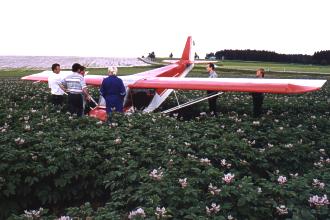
(44, 62)
(268, 66)
(95, 71)
(276, 67)
(224, 68)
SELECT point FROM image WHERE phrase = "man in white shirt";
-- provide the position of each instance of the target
(53, 83)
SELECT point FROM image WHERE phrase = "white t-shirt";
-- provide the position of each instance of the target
(53, 81)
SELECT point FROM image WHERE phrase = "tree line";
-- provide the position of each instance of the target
(320, 57)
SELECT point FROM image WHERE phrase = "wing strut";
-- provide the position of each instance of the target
(191, 103)
(176, 97)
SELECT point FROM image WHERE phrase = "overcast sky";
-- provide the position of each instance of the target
(130, 28)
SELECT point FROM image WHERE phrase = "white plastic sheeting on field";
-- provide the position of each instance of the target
(45, 62)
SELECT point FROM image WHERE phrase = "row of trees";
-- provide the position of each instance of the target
(321, 57)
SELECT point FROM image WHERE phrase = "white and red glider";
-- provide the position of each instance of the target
(149, 89)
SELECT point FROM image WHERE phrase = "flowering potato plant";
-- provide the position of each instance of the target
(152, 166)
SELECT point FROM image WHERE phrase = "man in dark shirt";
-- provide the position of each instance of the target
(113, 91)
(258, 97)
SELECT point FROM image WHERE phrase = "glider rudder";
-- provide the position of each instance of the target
(187, 52)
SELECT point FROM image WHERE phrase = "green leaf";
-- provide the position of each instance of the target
(241, 202)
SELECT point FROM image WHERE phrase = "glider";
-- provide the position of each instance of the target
(149, 89)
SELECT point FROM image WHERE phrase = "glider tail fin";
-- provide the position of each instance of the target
(188, 53)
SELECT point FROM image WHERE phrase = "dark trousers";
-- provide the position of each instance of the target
(114, 102)
(75, 104)
(258, 99)
(57, 99)
(212, 102)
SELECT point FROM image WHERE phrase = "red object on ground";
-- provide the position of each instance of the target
(99, 113)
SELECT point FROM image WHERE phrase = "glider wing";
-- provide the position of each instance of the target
(280, 86)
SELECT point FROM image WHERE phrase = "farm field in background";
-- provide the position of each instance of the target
(268, 66)
(234, 68)
(196, 166)
(276, 67)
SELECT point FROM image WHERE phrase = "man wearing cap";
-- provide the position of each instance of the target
(75, 86)
(113, 91)
(53, 80)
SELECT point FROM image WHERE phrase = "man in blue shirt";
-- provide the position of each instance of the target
(113, 91)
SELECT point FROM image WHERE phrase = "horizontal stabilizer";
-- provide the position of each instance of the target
(94, 80)
(195, 61)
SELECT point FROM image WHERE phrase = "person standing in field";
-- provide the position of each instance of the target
(83, 73)
(212, 101)
(75, 86)
(53, 83)
(113, 91)
(258, 97)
